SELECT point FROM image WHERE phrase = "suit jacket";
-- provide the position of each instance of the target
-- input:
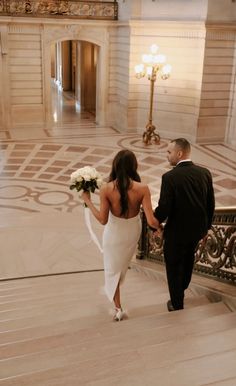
(186, 202)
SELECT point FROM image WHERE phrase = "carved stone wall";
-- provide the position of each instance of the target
(25, 64)
(197, 101)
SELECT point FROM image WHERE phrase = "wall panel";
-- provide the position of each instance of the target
(216, 84)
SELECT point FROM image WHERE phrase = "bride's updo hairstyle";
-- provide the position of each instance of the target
(124, 170)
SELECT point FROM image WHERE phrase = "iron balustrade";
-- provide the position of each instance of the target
(98, 10)
(216, 258)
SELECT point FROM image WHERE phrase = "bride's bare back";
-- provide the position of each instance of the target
(136, 194)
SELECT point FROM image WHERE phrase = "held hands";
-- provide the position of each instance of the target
(159, 231)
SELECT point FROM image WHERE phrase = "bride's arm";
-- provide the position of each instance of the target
(147, 207)
(101, 214)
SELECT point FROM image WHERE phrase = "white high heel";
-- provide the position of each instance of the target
(119, 314)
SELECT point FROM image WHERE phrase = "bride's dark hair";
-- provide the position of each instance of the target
(124, 170)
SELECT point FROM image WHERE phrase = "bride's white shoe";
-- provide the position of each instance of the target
(119, 314)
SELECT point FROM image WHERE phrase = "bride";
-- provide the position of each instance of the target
(120, 202)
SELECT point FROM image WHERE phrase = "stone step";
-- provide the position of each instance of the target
(28, 307)
(51, 338)
(226, 382)
(53, 297)
(123, 359)
(56, 331)
(83, 284)
(203, 371)
(85, 312)
(91, 327)
(32, 302)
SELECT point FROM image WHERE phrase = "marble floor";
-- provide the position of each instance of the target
(42, 223)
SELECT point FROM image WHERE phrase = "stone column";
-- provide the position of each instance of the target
(5, 113)
(88, 77)
(77, 74)
(217, 82)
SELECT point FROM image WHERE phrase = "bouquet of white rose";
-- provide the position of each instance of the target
(86, 178)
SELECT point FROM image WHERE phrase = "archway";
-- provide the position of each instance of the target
(95, 36)
(73, 80)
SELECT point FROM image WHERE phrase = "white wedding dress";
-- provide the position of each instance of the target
(120, 239)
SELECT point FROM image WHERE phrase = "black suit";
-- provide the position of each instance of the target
(187, 204)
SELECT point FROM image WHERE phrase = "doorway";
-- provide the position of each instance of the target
(73, 81)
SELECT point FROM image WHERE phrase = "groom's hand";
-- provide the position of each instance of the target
(159, 231)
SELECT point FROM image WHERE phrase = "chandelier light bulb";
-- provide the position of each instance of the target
(139, 68)
(145, 58)
(149, 70)
(166, 69)
(160, 59)
(154, 48)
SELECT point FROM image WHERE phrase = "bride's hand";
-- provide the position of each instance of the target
(86, 197)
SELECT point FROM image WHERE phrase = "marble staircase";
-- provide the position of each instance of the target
(58, 331)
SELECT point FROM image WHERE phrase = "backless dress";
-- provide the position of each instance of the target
(120, 239)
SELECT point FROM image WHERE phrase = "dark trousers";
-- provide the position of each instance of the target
(179, 259)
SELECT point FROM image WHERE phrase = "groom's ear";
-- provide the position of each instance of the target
(180, 154)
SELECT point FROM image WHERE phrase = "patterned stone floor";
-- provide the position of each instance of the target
(35, 168)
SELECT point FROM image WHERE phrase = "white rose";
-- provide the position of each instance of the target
(86, 177)
(86, 170)
(99, 182)
(79, 178)
(93, 173)
(73, 176)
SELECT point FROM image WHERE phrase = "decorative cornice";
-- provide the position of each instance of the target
(182, 29)
(74, 32)
(229, 26)
(98, 10)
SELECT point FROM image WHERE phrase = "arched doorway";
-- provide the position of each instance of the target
(73, 81)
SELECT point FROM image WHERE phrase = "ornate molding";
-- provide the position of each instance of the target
(60, 32)
(74, 32)
(218, 256)
(98, 10)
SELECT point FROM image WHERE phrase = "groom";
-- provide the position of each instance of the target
(187, 205)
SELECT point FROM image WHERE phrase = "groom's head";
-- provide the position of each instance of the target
(178, 149)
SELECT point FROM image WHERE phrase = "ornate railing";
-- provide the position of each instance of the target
(217, 257)
(103, 10)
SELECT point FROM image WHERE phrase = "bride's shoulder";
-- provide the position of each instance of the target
(140, 186)
(107, 186)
